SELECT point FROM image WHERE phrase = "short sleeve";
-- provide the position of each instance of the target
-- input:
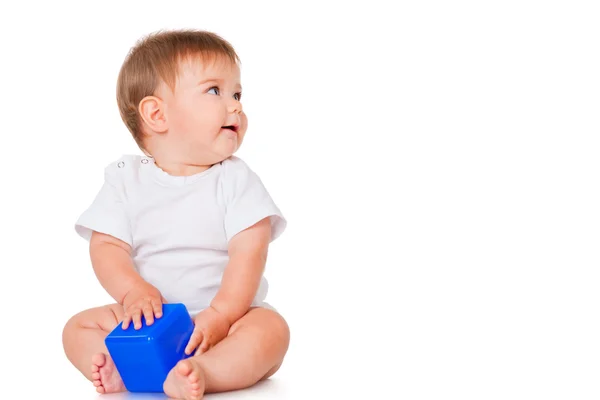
(247, 200)
(107, 214)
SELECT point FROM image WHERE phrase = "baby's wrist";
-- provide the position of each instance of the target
(224, 318)
(136, 287)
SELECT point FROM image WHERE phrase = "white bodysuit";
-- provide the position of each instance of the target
(179, 227)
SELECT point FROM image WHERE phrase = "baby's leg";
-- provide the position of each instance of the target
(83, 341)
(252, 351)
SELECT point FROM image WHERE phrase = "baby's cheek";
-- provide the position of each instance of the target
(243, 123)
(185, 123)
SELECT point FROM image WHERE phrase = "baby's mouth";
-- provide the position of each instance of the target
(230, 127)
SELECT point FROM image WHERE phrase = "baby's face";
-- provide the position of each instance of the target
(206, 123)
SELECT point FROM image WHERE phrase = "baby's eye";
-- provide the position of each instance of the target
(237, 96)
(216, 89)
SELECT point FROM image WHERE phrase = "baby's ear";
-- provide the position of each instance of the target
(151, 110)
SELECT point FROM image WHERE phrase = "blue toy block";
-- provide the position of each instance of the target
(145, 356)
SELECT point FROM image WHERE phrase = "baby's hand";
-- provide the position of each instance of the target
(142, 298)
(210, 328)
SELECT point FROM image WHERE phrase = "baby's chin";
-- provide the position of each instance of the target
(215, 154)
(221, 156)
(228, 151)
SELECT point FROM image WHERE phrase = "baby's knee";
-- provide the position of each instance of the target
(72, 326)
(280, 327)
(76, 321)
(276, 328)
(283, 330)
(105, 318)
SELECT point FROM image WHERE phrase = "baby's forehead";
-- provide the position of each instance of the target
(201, 64)
(189, 70)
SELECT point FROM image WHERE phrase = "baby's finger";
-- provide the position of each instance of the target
(194, 341)
(148, 314)
(126, 320)
(204, 346)
(157, 306)
(136, 317)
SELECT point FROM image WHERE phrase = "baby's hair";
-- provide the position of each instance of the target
(156, 57)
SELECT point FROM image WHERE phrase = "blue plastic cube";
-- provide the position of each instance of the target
(145, 356)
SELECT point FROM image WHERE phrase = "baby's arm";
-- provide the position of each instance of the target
(240, 282)
(241, 279)
(113, 266)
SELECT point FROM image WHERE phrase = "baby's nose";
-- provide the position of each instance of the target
(234, 106)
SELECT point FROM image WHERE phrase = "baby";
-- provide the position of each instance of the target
(188, 223)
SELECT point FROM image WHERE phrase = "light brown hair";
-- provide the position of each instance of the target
(157, 57)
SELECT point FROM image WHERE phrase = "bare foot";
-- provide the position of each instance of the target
(105, 376)
(185, 381)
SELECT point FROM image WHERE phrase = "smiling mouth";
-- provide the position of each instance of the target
(230, 127)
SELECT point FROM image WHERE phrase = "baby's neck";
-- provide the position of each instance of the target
(180, 169)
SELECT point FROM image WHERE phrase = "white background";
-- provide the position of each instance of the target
(438, 163)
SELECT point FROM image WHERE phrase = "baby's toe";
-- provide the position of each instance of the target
(184, 368)
(98, 360)
(194, 377)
